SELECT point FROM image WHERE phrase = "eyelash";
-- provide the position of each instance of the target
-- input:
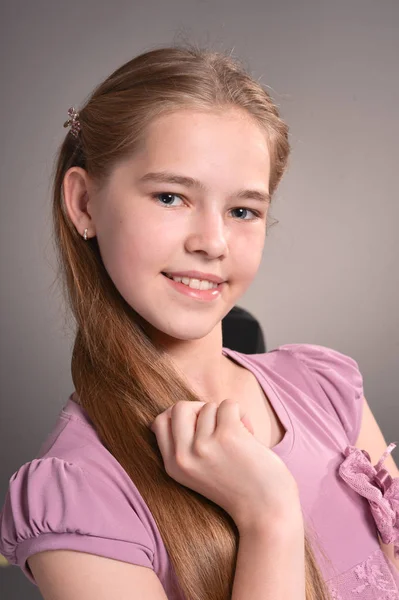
(254, 212)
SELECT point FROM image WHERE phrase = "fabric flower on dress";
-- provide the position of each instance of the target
(378, 486)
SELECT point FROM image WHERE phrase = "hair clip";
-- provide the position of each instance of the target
(73, 121)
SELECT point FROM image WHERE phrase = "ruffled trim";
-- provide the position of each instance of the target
(378, 486)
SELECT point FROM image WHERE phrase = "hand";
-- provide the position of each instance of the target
(212, 450)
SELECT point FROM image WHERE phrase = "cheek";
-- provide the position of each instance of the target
(131, 252)
(246, 253)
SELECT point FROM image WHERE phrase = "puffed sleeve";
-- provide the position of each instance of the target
(339, 378)
(53, 504)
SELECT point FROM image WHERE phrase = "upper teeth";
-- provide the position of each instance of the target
(197, 284)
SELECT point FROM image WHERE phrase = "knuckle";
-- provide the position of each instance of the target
(168, 468)
(179, 406)
(224, 437)
(229, 401)
(181, 461)
(201, 449)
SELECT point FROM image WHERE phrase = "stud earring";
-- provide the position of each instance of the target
(85, 234)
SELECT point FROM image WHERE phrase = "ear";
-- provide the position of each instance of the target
(77, 191)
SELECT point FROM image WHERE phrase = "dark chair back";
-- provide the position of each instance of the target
(242, 332)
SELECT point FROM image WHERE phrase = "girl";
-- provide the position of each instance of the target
(179, 468)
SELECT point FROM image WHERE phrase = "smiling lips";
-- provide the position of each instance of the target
(196, 288)
(196, 284)
(196, 275)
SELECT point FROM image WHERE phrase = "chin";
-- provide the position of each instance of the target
(180, 331)
(186, 333)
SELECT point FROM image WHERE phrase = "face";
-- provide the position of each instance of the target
(150, 225)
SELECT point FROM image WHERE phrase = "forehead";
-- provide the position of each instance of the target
(232, 130)
(216, 147)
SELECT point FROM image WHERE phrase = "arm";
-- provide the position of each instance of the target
(72, 575)
(271, 560)
(372, 440)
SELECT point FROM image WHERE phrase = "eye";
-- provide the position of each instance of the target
(168, 196)
(166, 199)
(247, 210)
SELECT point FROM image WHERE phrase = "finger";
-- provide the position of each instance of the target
(163, 431)
(206, 421)
(162, 428)
(228, 414)
(166, 413)
(183, 421)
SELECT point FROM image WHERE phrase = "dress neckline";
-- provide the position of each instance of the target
(285, 446)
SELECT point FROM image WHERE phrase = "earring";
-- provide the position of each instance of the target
(85, 234)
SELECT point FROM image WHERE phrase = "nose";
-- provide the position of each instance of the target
(207, 234)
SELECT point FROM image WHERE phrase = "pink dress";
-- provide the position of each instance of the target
(75, 495)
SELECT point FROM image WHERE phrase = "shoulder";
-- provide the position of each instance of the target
(327, 364)
(323, 375)
(80, 497)
(319, 358)
(335, 376)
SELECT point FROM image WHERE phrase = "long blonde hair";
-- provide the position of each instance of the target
(122, 379)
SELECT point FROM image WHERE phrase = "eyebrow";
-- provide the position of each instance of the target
(167, 177)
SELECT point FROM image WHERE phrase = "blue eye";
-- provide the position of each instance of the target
(247, 210)
(169, 194)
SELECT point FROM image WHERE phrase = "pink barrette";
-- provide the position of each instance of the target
(378, 486)
(73, 121)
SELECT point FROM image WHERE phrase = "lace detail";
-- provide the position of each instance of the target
(372, 579)
(378, 487)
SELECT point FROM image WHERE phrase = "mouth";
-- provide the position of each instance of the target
(194, 282)
(196, 288)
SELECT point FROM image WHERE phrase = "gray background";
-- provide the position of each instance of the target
(329, 274)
